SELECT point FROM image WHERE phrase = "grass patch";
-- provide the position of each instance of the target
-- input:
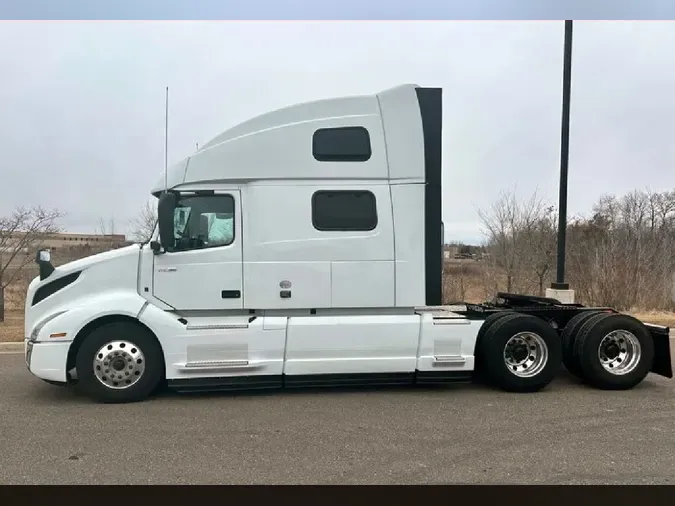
(11, 330)
(656, 317)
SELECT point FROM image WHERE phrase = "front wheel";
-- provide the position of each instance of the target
(522, 353)
(119, 362)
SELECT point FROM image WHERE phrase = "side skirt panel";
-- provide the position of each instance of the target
(245, 383)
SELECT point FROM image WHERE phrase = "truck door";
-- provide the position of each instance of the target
(204, 272)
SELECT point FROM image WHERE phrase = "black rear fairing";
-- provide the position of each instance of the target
(663, 364)
(431, 108)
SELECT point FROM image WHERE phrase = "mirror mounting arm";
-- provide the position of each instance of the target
(156, 247)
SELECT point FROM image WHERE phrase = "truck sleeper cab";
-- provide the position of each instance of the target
(304, 248)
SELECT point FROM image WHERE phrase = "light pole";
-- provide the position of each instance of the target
(560, 283)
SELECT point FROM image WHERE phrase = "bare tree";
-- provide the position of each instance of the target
(500, 225)
(511, 226)
(539, 241)
(21, 235)
(144, 224)
(623, 255)
(107, 229)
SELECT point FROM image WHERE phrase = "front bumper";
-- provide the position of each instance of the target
(47, 361)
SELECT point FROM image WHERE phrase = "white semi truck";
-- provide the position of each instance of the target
(304, 248)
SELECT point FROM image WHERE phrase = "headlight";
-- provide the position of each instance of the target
(40, 326)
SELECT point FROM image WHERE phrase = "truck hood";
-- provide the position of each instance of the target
(86, 262)
(115, 270)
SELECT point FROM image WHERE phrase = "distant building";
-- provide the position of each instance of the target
(463, 252)
(450, 252)
(60, 242)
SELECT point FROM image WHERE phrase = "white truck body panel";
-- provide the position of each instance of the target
(325, 270)
(352, 344)
(273, 146)
(107, 284)
(194, 279)
(281, 294)
(216, 346)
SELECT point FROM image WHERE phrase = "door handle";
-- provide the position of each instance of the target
(230, 294)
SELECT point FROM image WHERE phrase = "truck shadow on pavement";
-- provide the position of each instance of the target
(564, 383)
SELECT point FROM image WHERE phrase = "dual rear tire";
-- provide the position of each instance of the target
(608, 351)
(518, 352)
(523, 353)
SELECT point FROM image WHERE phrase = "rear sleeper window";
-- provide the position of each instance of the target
(344, 210)
(343, 144)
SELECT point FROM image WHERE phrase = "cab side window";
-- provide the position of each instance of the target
(344, 211)
(203, 221)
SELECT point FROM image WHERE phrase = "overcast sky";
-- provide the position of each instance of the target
(82, 103)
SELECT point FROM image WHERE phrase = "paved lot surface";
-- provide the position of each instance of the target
(463, 434)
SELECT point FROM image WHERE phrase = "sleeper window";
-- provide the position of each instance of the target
(344, 210)
(341, 144)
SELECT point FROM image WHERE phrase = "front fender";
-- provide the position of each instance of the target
(67, 324)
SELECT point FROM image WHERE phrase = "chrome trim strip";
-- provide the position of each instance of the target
(209, 364)
(218, 327)
(450, 359)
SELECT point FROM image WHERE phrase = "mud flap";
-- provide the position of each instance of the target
(662, 364)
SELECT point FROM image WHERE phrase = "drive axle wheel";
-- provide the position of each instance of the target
(489, 322)
(119, 362)
(568, 337)
(620, 352)
(521, 353)
(614, 351)
(525, 354)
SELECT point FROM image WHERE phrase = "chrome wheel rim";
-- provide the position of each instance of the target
(119, 364)
(619, 352)
(525, 354)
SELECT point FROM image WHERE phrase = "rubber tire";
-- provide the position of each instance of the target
(586, 351)
(90, 386)
(492, 349)
(569, 335)
(487, 323)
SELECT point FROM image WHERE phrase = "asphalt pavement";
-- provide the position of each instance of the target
(566, 434)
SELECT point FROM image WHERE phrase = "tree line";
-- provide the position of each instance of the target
(26, 229)
(621, 255)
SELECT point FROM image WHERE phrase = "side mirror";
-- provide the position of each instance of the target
(43, 258)
(165, 212)
(43, 255)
